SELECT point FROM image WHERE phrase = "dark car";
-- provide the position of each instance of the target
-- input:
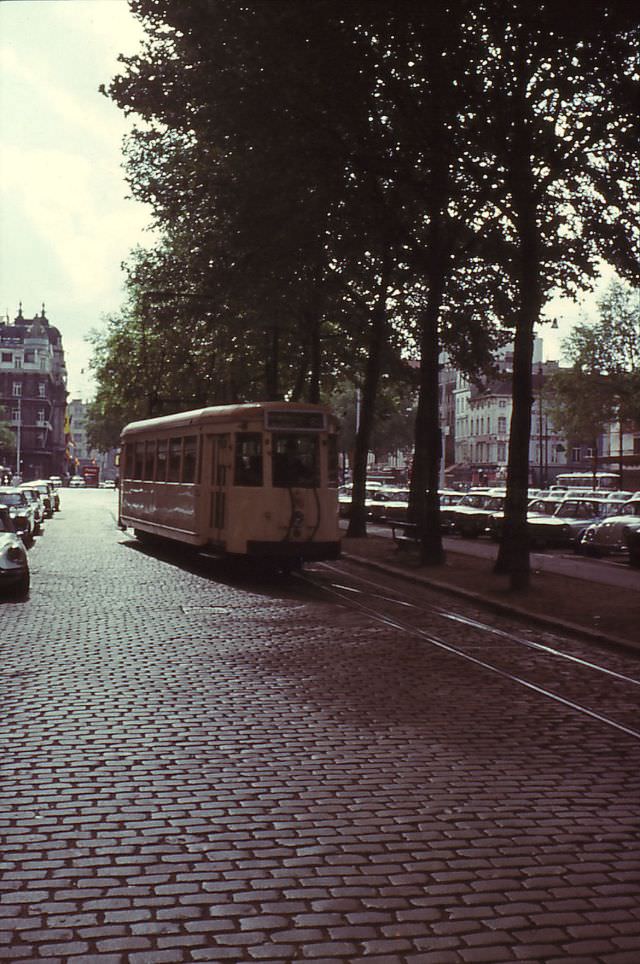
(14, 566)
(22, 512)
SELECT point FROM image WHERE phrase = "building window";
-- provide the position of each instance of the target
(576, 454)
(17, 389)
(42, 390)
(40, 417)
(502, 424)
(17, 361)
(7, 356)
(502, 452)
(636, 444)
(591, 453)
(43, 364)
(15, 414)
(29, 357)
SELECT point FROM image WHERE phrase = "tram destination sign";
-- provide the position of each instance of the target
(303, 421)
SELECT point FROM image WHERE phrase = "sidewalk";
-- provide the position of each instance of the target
(601, 612)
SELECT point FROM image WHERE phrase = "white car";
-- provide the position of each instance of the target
(77, 482)
(610, 535)
(14, 567)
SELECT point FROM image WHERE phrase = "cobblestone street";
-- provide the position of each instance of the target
(200, 766)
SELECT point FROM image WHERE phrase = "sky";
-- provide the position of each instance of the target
(66, 219)
(66, 222)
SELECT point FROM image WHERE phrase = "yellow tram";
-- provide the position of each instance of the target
(257, 480)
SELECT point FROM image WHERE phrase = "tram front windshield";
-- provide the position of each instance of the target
(295, 460)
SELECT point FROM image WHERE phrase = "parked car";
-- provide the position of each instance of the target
(542, 506)
(632, 538)
(602, 538)
(344, 497)
(568, 522)
(107, 484)
(45, 490)
(21, 512)
(55, 482)
(14, 565)
(77, 482)
(54, 497)
(388, 502)
(38, 508)
(465, 515)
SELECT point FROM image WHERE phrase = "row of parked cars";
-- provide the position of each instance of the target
(593, 523)
(24, 510)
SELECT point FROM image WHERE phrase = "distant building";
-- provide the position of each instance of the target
(481, 425)
(80, 452)
(33, 393)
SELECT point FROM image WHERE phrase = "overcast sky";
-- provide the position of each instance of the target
(65, 221)
(66, 224)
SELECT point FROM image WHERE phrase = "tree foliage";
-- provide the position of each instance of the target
(335, 183)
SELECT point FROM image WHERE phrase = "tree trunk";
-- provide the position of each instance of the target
(513, 555)
(428, 443)
(358, 516)
(428, 447)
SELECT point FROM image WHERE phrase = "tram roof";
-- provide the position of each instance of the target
(231, 412)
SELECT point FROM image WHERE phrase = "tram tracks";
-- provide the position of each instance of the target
(605, 690)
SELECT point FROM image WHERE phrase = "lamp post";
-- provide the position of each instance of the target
(541, 479)
(18, 436)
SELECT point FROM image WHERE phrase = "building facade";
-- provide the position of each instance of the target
(33, 393)
(80, 452)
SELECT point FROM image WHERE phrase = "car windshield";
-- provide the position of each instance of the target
(496, 503)
(629, 508)
(11, 498)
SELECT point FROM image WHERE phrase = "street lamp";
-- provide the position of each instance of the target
(18, 436)
(542, 435)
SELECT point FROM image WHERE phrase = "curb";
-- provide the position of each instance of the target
(503, 609)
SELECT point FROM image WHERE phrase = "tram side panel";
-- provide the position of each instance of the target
(164, 509)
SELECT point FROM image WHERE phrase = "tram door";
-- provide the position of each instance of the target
(217, 475)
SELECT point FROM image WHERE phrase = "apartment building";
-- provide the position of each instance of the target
(33, 392)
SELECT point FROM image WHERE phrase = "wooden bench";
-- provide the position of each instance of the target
(403, 533)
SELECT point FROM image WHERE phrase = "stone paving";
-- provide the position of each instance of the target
(197, 766)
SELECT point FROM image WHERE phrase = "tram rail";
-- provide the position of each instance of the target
(565, 671)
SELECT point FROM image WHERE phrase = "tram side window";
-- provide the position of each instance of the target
(189, 457)
(295, 460)
(161, 461)
(175, 456)
(248, 462)
(149, 460)
(127, 456)
(139, 461)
